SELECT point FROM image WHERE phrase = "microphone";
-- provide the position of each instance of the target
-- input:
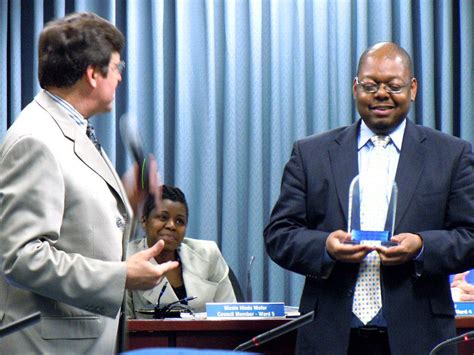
(276, 332)
(463, 337)
(20, 324)
(133, 142)
(174, 309)
(248, 291)
(161, 294)
(184, 301)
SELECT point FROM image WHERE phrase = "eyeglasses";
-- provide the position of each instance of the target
(372, 88)
(120, 66)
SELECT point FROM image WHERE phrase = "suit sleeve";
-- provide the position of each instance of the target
(451, 249)
(289, 241)
(32, 193)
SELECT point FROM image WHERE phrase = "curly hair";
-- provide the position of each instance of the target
(168, 192)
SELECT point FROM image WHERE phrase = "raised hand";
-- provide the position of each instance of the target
(141, 273)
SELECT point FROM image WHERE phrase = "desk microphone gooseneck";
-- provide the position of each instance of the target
(248, 291)
(463, 337)
(173, 309)
(161, 294)
(276, 332)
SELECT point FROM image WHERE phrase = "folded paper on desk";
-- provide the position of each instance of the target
(292, 311)
(245, 310)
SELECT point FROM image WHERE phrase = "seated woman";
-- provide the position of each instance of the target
(202, 273)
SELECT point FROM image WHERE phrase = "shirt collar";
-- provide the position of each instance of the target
(396, 136)
(72, 112)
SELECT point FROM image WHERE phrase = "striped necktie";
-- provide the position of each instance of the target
(91, 134)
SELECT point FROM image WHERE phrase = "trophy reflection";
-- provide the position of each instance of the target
(372, 208)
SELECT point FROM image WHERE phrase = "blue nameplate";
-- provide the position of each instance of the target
(245, 310)
(464, 308)
(358, 236)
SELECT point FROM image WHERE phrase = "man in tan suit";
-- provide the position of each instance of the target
(64, 213)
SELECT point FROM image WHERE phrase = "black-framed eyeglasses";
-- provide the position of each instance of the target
(391, 88)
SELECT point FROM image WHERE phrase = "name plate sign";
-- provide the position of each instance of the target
(464, 308)
(245, 310)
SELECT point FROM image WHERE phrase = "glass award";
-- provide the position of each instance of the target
(372, 209)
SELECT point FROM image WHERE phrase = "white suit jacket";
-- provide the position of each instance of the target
(62, 234)
(205, 275)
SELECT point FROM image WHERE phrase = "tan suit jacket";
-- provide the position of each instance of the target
(62, 234)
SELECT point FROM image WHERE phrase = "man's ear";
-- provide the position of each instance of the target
(413, 89)
(91, 75)
(354, 88)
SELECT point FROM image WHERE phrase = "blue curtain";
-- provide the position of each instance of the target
(220, 89)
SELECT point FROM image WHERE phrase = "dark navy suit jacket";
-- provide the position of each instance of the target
(435, 178)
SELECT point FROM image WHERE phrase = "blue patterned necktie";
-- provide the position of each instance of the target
(367, 295)
(91, 134)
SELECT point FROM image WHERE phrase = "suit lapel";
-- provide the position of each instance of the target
(410, 168)
(344, 163)
(90, 156)
(83, 147)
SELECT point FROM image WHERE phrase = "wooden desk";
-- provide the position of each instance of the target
(464, 324)
(227, 334)
(207, 334)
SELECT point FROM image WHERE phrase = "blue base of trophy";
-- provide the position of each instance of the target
(382, 236)
(358, 235)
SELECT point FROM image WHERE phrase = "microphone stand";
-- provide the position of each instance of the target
(157, 313)
(276, 332)
(248, 290)
(161, 313)
(161, 294)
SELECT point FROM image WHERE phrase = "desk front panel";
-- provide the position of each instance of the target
(207, 334)
(227, 334)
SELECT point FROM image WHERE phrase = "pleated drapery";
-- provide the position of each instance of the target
(220, 89)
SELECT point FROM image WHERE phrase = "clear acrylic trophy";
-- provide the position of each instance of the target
(372, 208)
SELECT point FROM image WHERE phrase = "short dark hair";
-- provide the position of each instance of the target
(67, 46)
(168, 192)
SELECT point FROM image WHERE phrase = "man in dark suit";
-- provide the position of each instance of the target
(434, 225)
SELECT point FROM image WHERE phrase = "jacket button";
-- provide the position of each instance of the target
(350, 293)
(120, 223)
